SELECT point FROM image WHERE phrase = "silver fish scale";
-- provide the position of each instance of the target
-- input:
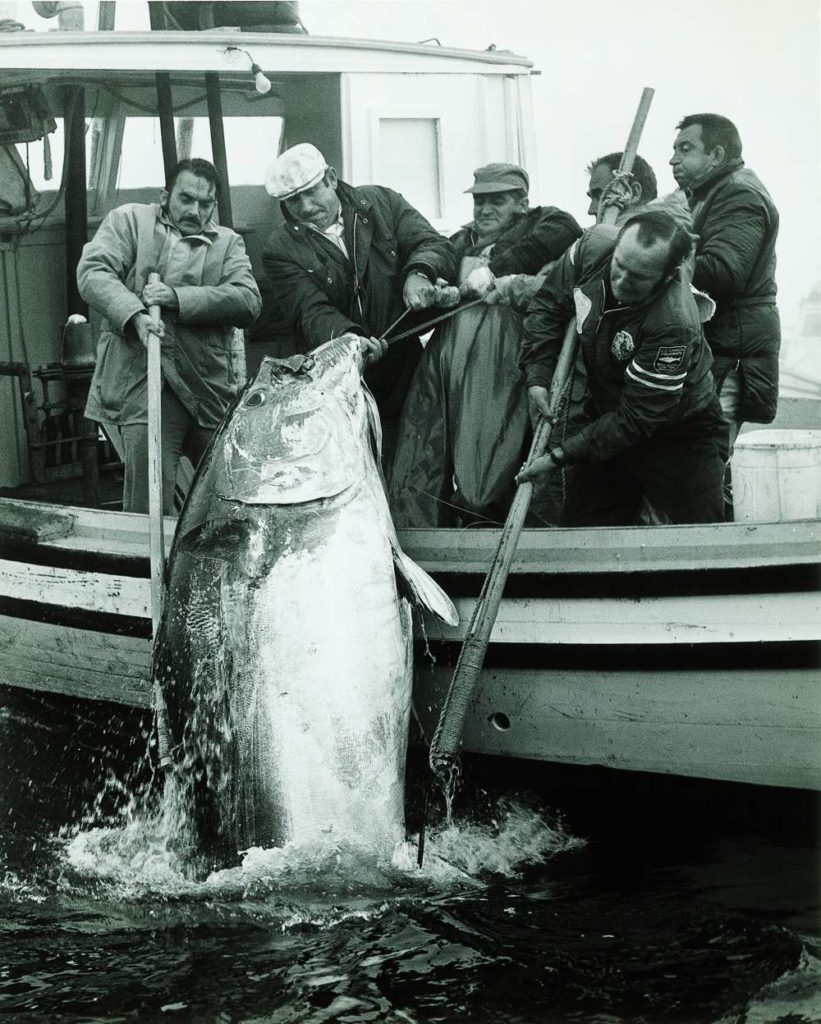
(286, 650)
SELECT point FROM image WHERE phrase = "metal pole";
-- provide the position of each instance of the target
(166, 111)
(75, 194)
(212, 93)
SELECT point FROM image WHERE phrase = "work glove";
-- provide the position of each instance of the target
(447, 295)
(477, 284)
(418, 292)
(499, 294)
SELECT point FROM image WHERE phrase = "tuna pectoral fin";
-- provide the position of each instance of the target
(424, 590)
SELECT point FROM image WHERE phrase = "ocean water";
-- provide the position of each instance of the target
(551, 895)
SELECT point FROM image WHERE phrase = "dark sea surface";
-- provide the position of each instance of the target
(580, 895)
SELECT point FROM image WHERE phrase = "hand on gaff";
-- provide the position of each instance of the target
(155, 293)
(499, 294)
(372, 350)
(418, 292)
(538, 405)
(447, 295)
(145, 326)
(540, 468)
(477, 284)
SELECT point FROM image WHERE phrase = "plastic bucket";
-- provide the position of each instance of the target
(777, 475)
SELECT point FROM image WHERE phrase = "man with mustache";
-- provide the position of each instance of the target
(465, 423)
(206, 291)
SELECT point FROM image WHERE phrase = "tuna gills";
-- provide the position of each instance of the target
(285, 648)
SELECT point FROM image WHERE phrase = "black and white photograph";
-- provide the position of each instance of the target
(410, 512)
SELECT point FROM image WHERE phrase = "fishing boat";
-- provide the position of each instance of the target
(687, 650)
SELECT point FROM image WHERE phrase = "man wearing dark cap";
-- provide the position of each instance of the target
(353, 260)
(465, 421)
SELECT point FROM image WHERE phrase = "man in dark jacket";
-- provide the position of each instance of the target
(656, 429)
(737, 225)
(465, 421)
(352, 260)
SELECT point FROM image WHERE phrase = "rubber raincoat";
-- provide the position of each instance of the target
(465, 422)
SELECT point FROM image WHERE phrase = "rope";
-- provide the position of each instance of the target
(616, 193)
(421, 328)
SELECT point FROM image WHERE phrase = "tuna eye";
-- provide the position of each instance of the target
(255, 398)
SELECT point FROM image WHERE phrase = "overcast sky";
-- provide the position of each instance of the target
(755, 61)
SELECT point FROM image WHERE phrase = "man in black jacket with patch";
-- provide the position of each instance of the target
(352, 260)
(737, 224)
(656, 429)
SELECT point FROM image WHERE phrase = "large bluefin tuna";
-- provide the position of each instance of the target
(285, 648)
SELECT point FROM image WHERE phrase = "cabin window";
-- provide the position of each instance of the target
(408, 156)
(251, 144)
(35, 159)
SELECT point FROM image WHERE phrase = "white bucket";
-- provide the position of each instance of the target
(777, 475)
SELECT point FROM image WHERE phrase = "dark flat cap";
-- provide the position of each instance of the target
(499, 178)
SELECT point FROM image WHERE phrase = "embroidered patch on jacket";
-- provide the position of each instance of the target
(669, 358)
(622, 346)
(583, 307)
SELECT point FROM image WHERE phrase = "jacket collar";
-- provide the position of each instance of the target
(512, 229)
(700, 190)
(352, 200)
(601, 290)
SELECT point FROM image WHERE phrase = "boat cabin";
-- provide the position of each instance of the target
(89, 120)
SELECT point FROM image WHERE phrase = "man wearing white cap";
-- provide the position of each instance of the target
(351, 259)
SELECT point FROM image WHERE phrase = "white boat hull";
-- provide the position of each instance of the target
(697, 674)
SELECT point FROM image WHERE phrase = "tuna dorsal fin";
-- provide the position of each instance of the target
(424, 590)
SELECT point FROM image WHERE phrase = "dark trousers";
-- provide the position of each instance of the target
(681, 474)
(181, 435)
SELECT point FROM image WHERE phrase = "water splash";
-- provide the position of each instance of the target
(149, 852)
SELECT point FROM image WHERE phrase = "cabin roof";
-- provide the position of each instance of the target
(31, 55)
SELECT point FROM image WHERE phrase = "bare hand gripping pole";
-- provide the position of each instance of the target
(447, 739)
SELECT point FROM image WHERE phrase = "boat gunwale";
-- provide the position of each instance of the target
(544, 551)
